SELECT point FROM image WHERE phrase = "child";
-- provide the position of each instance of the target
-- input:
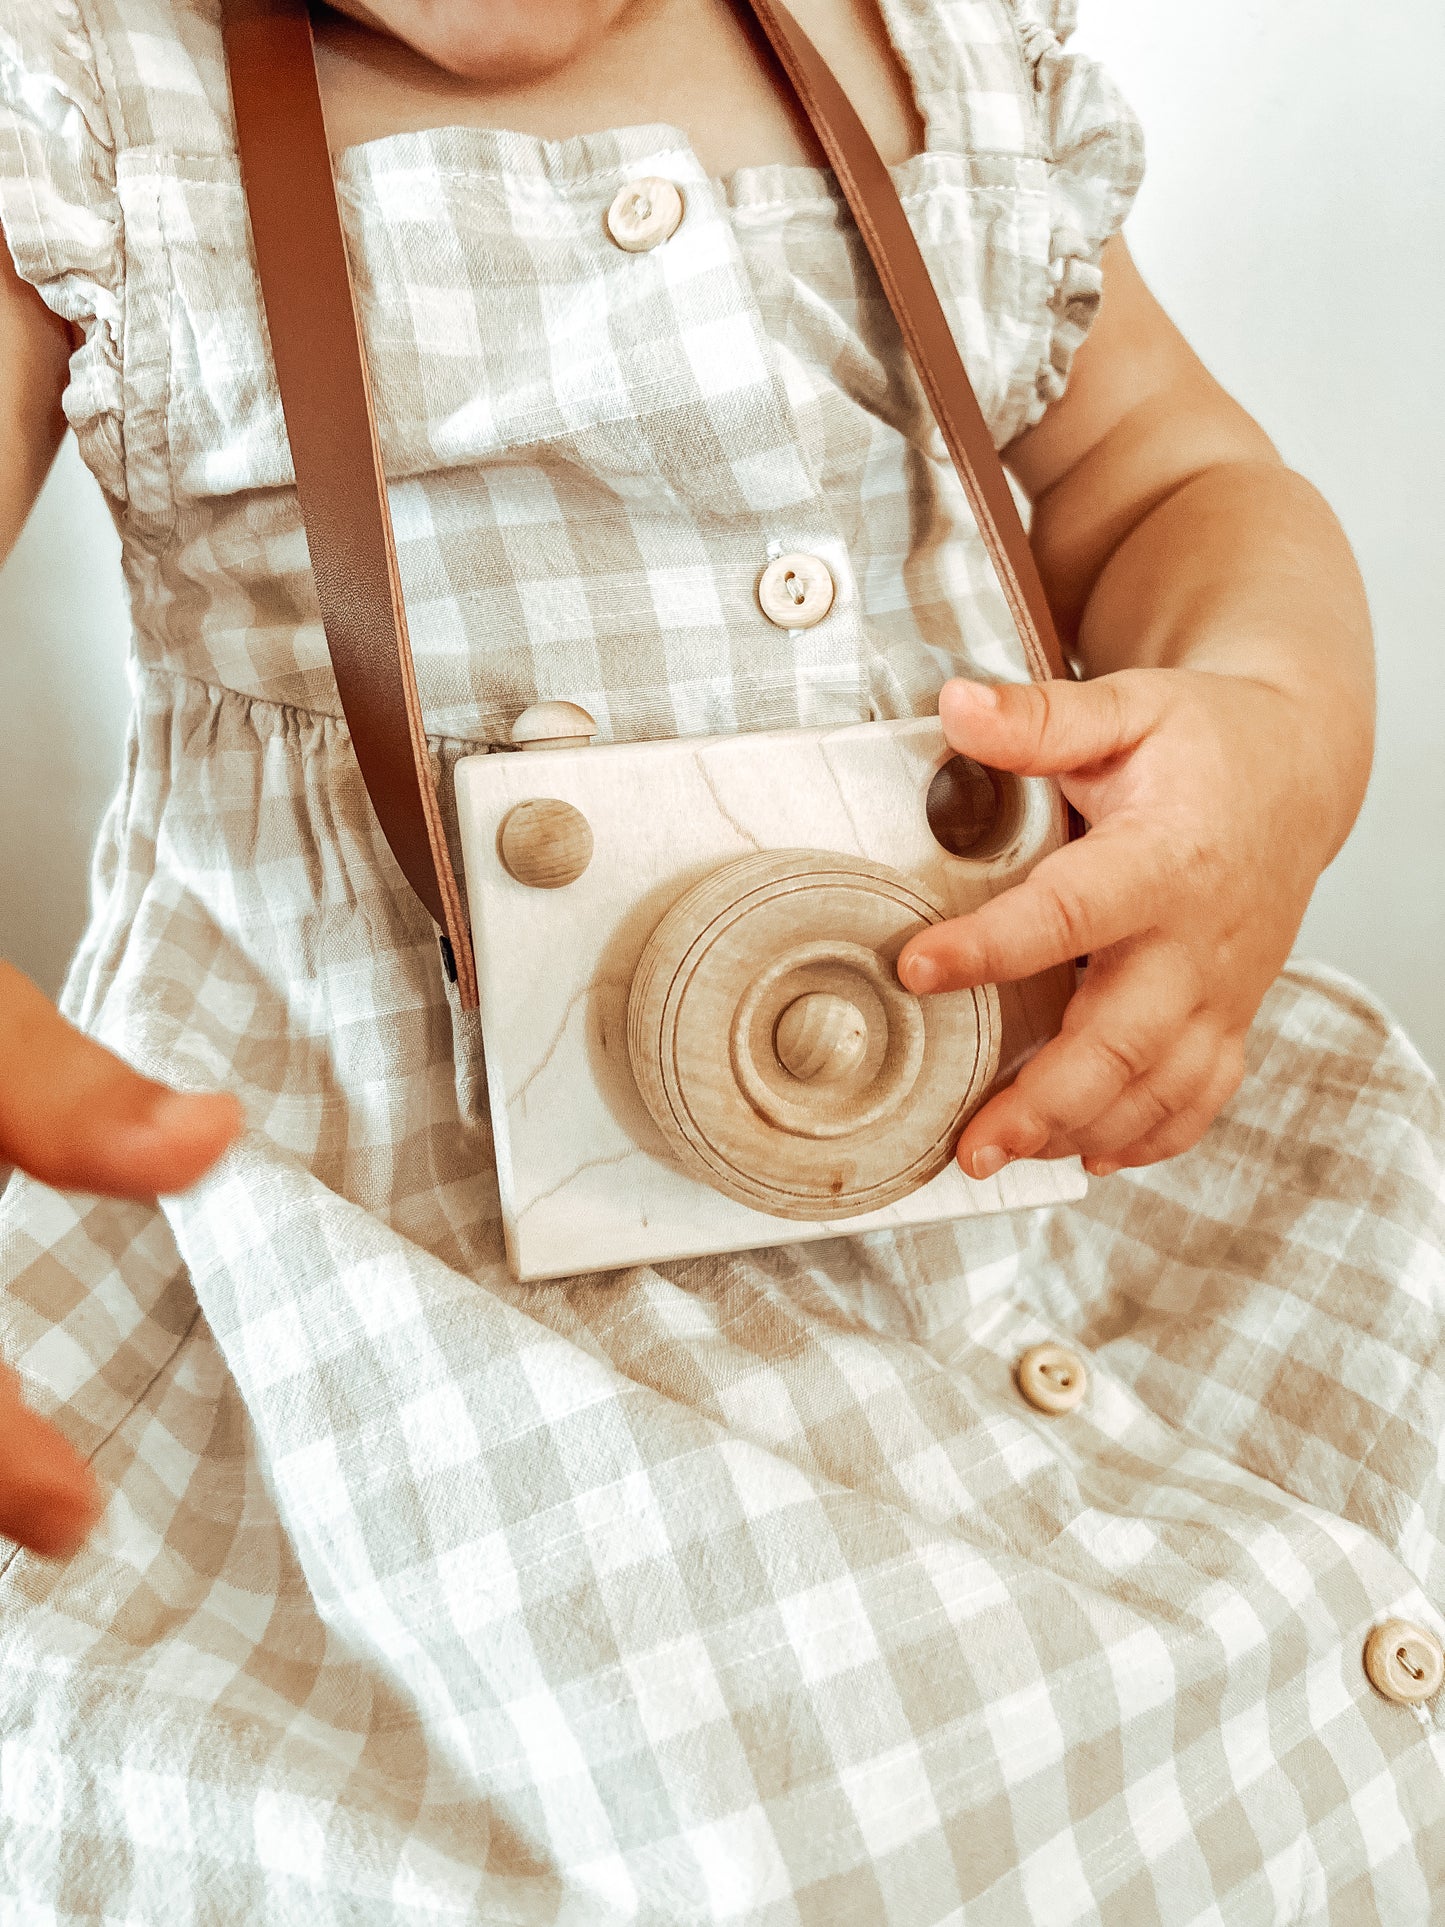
(756, 1588)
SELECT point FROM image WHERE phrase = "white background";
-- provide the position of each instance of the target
(1293, 222)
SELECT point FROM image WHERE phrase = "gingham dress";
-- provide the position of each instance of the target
(742, 1590)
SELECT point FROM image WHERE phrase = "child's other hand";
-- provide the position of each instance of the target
(1207, 834)
(73, 1115)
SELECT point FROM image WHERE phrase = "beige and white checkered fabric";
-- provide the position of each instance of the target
(746, 1590)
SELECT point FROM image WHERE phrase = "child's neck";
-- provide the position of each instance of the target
(691, 63)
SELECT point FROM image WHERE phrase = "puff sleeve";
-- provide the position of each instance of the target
(1094, 149)
(60, 212)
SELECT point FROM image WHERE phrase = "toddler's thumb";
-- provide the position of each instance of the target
(1042, 729)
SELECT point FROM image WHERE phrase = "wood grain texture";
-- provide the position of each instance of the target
(587, 1179)
(821, 1038)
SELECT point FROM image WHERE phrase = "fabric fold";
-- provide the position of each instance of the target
(1095, 154)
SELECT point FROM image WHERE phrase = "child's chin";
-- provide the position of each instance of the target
(496, 43)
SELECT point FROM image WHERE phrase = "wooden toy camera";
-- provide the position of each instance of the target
(696, 1040)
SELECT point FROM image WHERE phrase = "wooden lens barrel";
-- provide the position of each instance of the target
(779, 1056)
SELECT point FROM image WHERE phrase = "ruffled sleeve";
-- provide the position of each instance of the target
(60, 212)
(1095, 154)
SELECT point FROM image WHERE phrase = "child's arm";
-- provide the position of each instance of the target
(34, 350)
(1220, 754)
(70, 1113)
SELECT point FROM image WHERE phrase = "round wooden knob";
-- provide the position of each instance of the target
(553, 726)
(821, 1037)
(779, 1056)
(545, 843)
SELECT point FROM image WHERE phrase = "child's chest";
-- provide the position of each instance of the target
(597, 439)
(634, 267)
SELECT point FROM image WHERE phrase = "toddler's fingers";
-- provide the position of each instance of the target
(1049, 728)
(1166, 1090)
(1078, 901)
(48, 1499)
(73, 1115)
(1182, 1131)
(1125, 1018)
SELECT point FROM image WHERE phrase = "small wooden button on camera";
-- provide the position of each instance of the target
(545, 843)
(553, 726)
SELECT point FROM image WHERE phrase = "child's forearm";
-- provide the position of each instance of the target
(1244, 570)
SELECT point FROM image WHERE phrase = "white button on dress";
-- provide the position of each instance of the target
(1052, 1378)
(644, 214)
(1404, 1662)
(796, 591)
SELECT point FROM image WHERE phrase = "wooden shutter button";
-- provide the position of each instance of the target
(644, 214)
(553, 726)
(795, 591)
(1052, 1378)
(1404, 1662)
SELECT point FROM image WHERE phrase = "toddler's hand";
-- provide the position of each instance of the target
(1206, 838)
(73, 1115)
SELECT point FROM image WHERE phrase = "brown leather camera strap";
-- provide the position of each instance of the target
(326, 396)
